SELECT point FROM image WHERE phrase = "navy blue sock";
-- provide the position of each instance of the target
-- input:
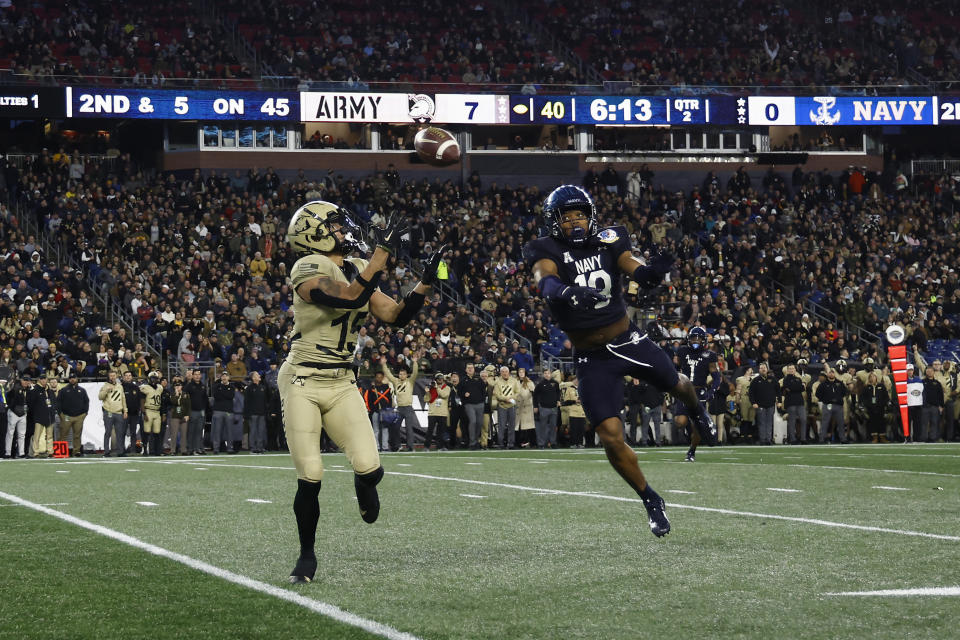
(648, 495)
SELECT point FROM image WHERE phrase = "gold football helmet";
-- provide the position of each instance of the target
(312, 230)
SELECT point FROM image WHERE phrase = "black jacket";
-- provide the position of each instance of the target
(198, 396)
(792, 391)
(43, 405)
(378, 396)
(932, 393)
(255, 400)
(831, 392)
(180, 404)
(73, 400)
(875, 398)
(763, 391)
(134, 398)
(546, 394)
(471, 390)
(17, 400)
(223, 397)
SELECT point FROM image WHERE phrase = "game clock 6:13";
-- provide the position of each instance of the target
(608, 110)
(622, 111)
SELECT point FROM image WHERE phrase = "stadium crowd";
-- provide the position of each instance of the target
(140, 42)
(687, 43)
(764, 43)
(766, 263)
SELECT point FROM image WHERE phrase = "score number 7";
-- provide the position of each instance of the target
(473, 109)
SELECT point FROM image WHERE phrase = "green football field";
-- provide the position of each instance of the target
(767, 542)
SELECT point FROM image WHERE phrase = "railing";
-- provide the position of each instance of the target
(241, 46)
(113, 312)
(452, 295)
(934, 167)
(549, 361)
(20, 159)
(177, 367)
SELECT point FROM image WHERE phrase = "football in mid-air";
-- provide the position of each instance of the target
(437, 146)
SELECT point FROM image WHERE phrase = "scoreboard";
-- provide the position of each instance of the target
(620, 110)
(31, 102)
(474, 108)
(164, 104)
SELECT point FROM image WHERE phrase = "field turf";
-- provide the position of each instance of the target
(499, 544)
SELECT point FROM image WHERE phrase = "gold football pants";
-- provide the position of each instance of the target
(313, 404)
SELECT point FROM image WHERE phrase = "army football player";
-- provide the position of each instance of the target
(698, 364)
(318, 391)
(578, 268)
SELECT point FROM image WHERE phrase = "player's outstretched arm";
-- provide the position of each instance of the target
(552, 287)
(385, 308)
(647, 276)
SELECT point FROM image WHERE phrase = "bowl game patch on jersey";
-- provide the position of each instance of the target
(608, 236)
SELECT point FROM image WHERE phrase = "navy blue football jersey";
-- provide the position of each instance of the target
(695, 364)
(592, 265)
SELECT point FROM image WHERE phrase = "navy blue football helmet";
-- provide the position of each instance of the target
(565, 198)
(697, 337)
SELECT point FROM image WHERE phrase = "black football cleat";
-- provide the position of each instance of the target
(691, 456)
(706, 428)
(657, 517)
(304, 571)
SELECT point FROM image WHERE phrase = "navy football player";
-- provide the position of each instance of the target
(317, 381)
(698, 364)
(579, 269)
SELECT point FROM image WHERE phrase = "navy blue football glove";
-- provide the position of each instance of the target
(663, 262)
(651, 276)
(582, 297)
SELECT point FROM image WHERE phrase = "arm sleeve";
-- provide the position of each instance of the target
(318, 297)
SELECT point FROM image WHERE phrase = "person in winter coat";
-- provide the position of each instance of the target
(875, 400)
(526, 421)
(437, 414)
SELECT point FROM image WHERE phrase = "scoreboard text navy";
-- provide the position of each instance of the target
(454, 108)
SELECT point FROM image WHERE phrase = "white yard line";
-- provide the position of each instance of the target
(831, 467)
(901, 593)
(749, 514)
(148, 504)
(259, 501)
(471, 495)
(880, 486)
(323, 608)
(686, 493)
(783, 490)
(46, 504)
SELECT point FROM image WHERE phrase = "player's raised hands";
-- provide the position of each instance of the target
(388, 236)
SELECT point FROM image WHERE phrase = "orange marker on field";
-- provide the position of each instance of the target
(897, 351)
